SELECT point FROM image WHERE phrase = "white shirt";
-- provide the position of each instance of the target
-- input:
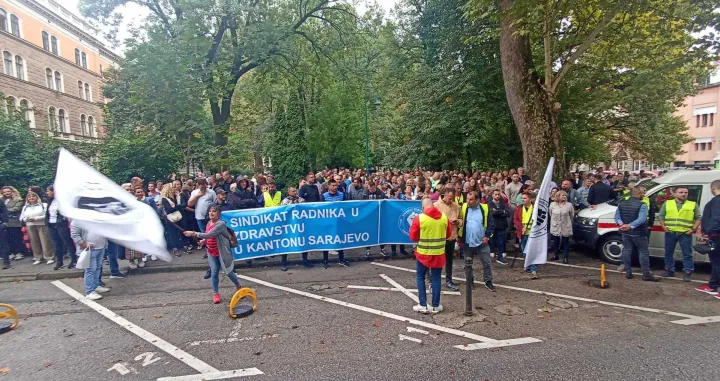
(53, 209)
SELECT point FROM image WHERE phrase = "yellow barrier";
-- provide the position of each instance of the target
(11, 313)
(239, 294)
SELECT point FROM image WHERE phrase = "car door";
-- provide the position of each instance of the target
(657, 238)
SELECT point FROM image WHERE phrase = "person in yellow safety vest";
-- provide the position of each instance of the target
(272, 197)
(475, 232)
(460, 197)
(679, 218)
(430, 230)
(522, 219)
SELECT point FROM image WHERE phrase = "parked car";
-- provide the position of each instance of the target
(596, 229)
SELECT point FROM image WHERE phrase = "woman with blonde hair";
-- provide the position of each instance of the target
(172, 207)
(561, 220)
(14, 203)
(33, 215)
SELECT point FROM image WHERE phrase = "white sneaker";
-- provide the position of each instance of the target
(102, 290)
(144, 259)
(19, 257)
(621, 268)
(333, 252)
(37, 262)
(153, 258)
(435, 310)
(421, 309)
(50, 262)
(93, 296)
(141, 264)
(132, 265)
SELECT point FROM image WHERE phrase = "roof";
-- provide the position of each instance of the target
(689, 176)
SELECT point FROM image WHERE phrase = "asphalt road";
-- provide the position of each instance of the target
(295, 336)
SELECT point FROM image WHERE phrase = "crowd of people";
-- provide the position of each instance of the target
(484, 210)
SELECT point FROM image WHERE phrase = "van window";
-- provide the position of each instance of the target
(694, 192)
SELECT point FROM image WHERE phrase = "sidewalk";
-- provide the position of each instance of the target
(24, 269)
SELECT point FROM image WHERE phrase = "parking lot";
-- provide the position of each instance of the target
(357, 323)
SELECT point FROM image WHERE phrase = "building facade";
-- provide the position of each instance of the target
(52, 69)
(700, 114)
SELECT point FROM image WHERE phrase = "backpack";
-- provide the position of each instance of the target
(232, 238)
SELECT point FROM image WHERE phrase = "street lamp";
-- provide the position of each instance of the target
(367, 133)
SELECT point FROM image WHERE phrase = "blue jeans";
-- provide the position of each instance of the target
(523, 243)
(563, 242)
(112, 256)
(435, 275)
(497, 244)
(202, 224)
(215, 269)
(641, 243)
(92, 273)
(671, 240)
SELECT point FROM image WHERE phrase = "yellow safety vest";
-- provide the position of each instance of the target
(527, 218)
(460, 199)
(272, 201)
(433, 234)
(679, 221)
(463, 213)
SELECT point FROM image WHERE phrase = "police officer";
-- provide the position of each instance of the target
(631, 216)
(679, 218)
(430, 230)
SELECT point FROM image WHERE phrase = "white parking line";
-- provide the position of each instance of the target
(588, 300)
(215, 375)
(413, 329)
(606, 269)
(700, 320)
(457, 332)
(401, 288)
(409, 338)
(475, 346)
(188, 359)
(395, 289)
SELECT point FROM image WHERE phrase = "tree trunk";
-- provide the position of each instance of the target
(534, 112)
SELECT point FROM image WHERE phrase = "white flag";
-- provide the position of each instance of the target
(537, 244)
(96, 203)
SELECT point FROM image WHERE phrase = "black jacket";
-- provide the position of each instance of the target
(711, 217)
(60, 218)
(310, 193)
(377, 195)
(4, 216)
(243, 199)
(600, 193)
(500, 212)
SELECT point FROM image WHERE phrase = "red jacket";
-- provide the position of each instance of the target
(517, 220)
(431, 261)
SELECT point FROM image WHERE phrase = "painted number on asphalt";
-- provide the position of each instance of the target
(147, 358)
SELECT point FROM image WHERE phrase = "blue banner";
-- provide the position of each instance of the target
(320, 226)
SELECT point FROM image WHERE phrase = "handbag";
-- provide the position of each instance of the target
(175, 216)
(83, 260)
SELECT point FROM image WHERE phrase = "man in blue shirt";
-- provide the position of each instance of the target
(475, 233)
(333, 195)
(631, 216)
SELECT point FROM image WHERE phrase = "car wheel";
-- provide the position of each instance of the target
(610, 249)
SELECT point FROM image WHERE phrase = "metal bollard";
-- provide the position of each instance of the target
(469, 280)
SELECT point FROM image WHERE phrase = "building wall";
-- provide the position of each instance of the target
(700, 114)
(71, 32)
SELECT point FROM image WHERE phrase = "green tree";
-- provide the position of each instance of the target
(622, 51)
(142, 153)
(288, 151)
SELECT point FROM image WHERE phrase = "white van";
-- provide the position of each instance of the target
(596, 229)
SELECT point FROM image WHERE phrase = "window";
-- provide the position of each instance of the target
(52, 119)
(7, 59)
(54, 45)
(77, 59)
(704, 120)
(702, 146)
(3, 20)
(80, 89)
(46, 40)
(11, 106)
(28, 114)
(697, 146)
(91, 126)
(15, 25)
(88, 96)
(19, 68)
(101, 70)
(49, 77)
(709, 146)
(712, 116)
(61, 120)
(83, 125)
(84, 60)
(58, 81)
(697, 121)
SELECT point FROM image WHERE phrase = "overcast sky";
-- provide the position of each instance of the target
(138, 11)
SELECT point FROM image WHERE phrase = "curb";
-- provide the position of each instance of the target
(70, 274)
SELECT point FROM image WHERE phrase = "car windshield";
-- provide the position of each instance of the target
(645, 183)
